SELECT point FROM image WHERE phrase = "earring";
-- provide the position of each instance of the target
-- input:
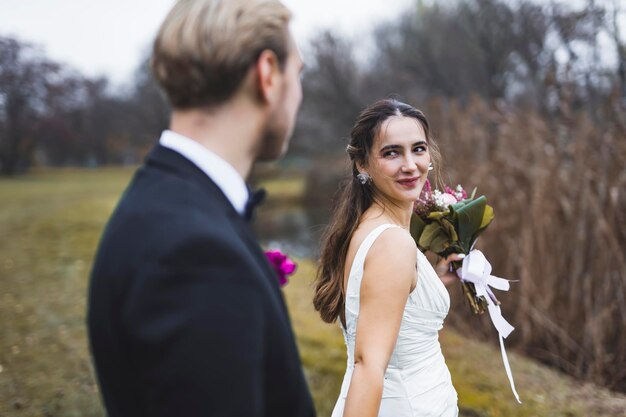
(430, 166)
(364, 177)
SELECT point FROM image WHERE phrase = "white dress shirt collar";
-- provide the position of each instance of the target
(221, 172)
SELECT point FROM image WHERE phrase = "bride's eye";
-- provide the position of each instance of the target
(390, 154)
(420, 148)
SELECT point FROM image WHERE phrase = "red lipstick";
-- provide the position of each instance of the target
(408, 182)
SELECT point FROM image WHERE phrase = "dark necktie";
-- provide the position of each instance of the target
(256, 197)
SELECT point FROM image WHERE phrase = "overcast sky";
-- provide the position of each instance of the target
(109, 37)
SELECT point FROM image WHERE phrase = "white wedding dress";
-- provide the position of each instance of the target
(417, 381)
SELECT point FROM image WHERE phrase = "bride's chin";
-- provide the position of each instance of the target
(411, 198)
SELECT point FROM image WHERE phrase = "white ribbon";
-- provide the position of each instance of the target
(477, 270)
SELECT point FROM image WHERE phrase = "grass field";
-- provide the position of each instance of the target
(50, 223)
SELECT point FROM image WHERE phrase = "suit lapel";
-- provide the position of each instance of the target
(169, 160)
(250, 239)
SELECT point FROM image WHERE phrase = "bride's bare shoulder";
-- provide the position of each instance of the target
(394, 243)
(393, 255)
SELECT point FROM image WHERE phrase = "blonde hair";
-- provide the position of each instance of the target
(205, 48)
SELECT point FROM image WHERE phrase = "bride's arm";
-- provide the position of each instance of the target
(387, 278)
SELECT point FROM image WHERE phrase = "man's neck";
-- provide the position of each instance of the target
(230, 131)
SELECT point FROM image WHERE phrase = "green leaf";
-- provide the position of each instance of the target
(434, 238)
(469, 219)
(488, 217)
(449, 229)
(417, 227)
(457, 206)
(453, 248)
(436, 215)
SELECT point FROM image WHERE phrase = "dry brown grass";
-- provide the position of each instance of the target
(558, 188)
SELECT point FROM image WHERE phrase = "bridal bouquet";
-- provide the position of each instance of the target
(450, 222)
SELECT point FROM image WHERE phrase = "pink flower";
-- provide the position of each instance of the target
(427, 187)
(281, 264)
(448, 199)
(425, 194)
(460, 193)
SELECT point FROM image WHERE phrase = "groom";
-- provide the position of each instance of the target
(186, 317)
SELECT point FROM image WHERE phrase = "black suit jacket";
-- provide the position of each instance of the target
(185, 314)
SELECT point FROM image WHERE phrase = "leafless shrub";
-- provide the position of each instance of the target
(558, 190)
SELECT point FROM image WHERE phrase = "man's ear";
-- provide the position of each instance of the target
(268, 75)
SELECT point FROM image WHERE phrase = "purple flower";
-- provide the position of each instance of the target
(427, 188)
(281, 264)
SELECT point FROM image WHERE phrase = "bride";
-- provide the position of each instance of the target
(390, 301)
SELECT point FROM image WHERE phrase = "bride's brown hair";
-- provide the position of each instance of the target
(353, 199)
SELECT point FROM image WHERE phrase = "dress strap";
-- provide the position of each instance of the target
(356, 270)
